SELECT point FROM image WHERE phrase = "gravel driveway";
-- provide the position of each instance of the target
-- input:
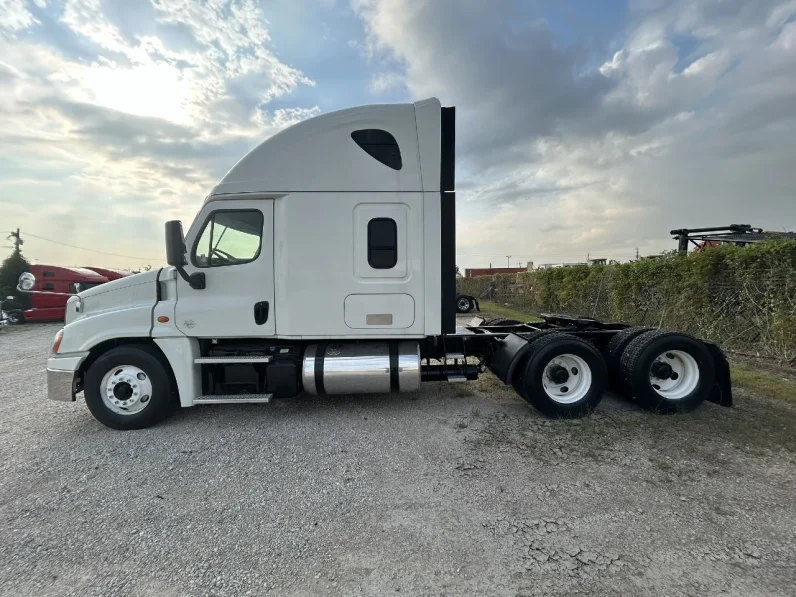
(460, 489)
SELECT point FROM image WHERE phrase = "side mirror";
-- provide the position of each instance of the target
(26, 282)
(175, 244)
(175, 255)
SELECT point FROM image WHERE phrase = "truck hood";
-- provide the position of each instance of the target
(149, 277)
(132, 292)
(118, 309)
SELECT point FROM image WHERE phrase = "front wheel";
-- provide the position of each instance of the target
(563, 377)
(15, 317)
(129, 387)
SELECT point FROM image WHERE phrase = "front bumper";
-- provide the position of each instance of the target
(62, 378)
(61, 385)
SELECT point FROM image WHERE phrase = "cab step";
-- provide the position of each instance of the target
(234, 399)
(233, 359)
(456, 378)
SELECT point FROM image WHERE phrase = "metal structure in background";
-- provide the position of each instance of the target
(736, 234)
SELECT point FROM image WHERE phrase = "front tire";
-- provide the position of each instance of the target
(667, 372)
(129, 387)
(15, 317)
(563, 377)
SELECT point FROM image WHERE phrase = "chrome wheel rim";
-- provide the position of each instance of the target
(463, 304)
(674, 374)
(126, 390)
(566, 379)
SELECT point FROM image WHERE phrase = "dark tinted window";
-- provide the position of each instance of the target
(48, 286)
(48, 274)
(380, 145)
(76, 287)
(382, 243)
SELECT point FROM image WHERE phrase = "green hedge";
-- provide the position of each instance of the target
(741, 297)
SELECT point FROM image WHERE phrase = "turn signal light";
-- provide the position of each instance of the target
(57, 342)
(163, 319)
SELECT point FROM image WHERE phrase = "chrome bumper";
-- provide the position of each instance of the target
(61, 385)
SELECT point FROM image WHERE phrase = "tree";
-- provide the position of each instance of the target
(458, 272)
(14, 266)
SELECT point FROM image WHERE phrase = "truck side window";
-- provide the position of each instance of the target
(380, 145)
(229, 237)
(48, 286)
(382, 243)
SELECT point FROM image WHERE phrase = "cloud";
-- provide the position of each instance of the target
(138, 108)
(383, 82)
(14, 16)
(689, 120)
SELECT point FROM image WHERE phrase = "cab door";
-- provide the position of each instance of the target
(232, 243)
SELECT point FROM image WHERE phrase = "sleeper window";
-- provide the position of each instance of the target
(229, 238)
(380, 145)
(382, 243)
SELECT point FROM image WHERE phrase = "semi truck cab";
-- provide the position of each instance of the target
(324, 262)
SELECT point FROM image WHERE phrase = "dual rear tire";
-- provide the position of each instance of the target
(563, 376)
(665, 372)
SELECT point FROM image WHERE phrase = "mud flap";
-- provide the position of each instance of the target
(722, 388)
(509, 352)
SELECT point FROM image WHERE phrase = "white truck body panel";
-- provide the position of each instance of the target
(318, 190)
(118, 309)
(225, 308)
(318, 155)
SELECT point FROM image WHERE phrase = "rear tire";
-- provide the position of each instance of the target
(667, 372)
(613, 354)
(464, 304)
(15, 317)
(129, 387)
(563, 377)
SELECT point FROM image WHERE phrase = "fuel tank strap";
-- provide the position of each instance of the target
(393, 365)
(320, 353)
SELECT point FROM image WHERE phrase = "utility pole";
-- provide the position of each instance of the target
(507, 261)
(17, 240)
(636, 253)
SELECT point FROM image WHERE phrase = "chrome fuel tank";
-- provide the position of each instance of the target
(361, 367)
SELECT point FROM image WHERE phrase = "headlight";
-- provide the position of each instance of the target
(57, 341)
(26, 282)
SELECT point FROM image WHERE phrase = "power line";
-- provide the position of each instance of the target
(57, 242)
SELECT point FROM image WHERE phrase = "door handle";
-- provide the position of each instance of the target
(261, 312)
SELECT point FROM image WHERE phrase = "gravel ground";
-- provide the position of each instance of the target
(460, 489)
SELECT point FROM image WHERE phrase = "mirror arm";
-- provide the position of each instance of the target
(195, 280)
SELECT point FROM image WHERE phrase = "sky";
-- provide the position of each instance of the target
(583, 128)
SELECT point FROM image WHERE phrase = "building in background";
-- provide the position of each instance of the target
(491, 271)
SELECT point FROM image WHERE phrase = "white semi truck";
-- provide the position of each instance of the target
(323, 262)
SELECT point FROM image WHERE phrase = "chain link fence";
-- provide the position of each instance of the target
(747, 310)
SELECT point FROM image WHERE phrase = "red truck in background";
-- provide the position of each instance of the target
(62, 280)
(109, 273)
